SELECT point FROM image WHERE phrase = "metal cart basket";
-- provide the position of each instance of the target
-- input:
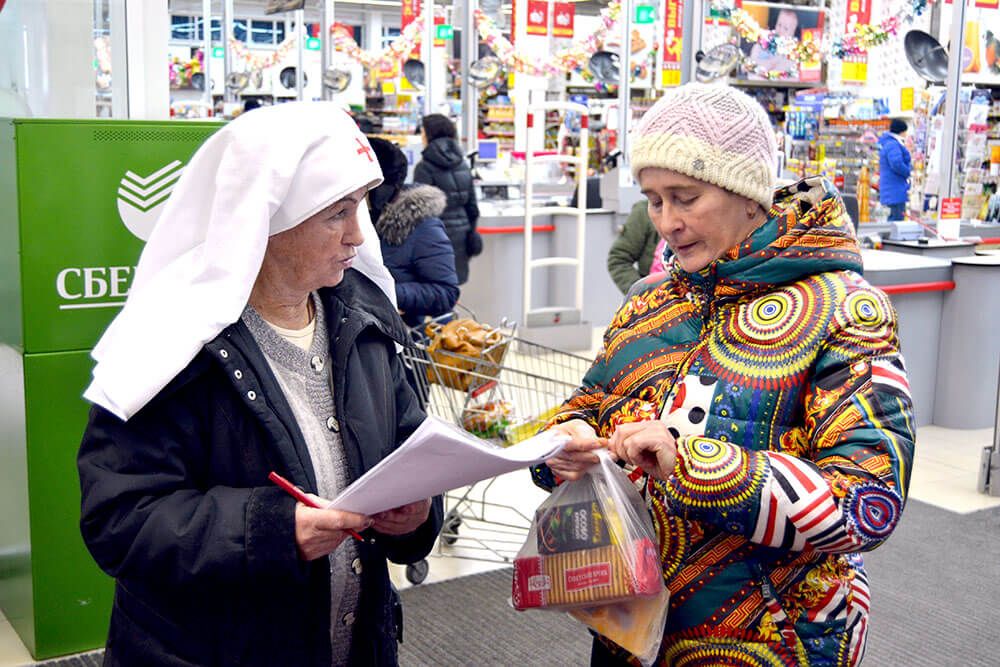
(505, 394)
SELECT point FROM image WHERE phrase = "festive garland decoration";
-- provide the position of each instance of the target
(396, 51)
(571, 58)
(857, 42)
(255, 63)
(181, 72)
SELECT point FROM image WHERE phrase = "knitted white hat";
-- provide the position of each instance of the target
(713, 133)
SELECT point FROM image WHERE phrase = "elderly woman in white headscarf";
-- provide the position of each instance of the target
(250, 344)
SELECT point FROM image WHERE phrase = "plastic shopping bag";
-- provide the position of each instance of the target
(592, 551)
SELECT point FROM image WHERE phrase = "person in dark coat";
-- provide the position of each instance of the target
(415, 246)
(894, 169)
(444, 166)
(249, 344)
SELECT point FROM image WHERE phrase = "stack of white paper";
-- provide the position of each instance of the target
(436, 458)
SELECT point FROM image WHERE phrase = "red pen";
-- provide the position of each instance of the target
(296, 492)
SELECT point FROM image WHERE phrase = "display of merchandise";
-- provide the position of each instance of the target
(393, 114)
(977, 168)
(499, 124)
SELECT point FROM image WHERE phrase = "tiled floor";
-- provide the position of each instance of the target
(945, 474)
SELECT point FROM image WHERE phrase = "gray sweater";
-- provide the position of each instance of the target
(305, 380)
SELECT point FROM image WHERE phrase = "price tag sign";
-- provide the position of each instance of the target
(951, 208)
(906, 99)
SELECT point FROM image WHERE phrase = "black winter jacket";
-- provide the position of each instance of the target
(177, 505)
(418, 254)
(444, 166)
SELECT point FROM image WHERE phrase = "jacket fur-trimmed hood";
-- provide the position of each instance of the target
(401, 215)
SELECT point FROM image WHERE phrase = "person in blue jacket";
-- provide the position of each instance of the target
(415, 245)
(894, 167)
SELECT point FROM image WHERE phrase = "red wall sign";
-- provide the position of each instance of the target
(563, 15)
(410, 10)
(538, 17)
(951, 208)
(673, 31)
(859, 12)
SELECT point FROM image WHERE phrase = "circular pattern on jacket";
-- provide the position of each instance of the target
(701, 652)
(771, 341)
(717, 474)
(873, 510)
(867, 317)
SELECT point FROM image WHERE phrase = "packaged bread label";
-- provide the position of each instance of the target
(597, 575)
(571, 527)
(539, 582)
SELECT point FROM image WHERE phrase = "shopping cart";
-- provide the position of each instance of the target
(504, 394)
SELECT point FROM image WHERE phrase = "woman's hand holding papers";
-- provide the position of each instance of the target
(318, 532)
(578, 454)
(402, 520)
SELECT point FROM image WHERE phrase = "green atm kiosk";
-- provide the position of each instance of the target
(76, 200)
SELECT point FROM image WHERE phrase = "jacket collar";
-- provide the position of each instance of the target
(406, 210)
(362, 300)
(808, 231)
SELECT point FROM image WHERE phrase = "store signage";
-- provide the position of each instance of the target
(673, 39)
(312, 43)
(93, 286)
(645, 14)
(439, 23)
(141, 198)
(218, 52)
(410, 10)
(445, 31)
(563, 16)
(854, 69)
(538, 17)
(951, 208)
(906, 99)
(859, 12)
(988, 4)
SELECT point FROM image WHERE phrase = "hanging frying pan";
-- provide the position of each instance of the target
(287, 78)
(413, 70)
(484, 71)
(718, 63)
(604, 66)
(336, 79)
(926, 55)
(237, 81)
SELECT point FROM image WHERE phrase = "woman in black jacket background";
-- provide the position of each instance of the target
(415, 244)
(445, 167)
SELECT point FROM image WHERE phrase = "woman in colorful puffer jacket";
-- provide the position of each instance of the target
(757, 393)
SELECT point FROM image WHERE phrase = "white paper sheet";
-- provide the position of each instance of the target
(436, 458)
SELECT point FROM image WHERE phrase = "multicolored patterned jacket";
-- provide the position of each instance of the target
(778, 369)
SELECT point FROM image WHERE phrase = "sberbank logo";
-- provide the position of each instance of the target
(141, 198)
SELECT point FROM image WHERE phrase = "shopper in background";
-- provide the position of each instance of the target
(757, 393)
(249, 344)
(444, 166)
(631, 255)
(894, 169)
(415, 247)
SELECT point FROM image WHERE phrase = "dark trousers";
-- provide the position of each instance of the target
(897, 211)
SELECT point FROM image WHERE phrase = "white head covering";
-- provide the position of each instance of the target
(262, 174)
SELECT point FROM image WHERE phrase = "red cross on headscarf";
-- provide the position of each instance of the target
(364, 148)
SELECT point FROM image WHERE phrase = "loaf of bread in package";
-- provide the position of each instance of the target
(586, 577)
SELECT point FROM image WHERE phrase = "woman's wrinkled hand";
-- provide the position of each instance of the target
(578, 454)
(647, 445)
(402, 520)
(318, 532)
